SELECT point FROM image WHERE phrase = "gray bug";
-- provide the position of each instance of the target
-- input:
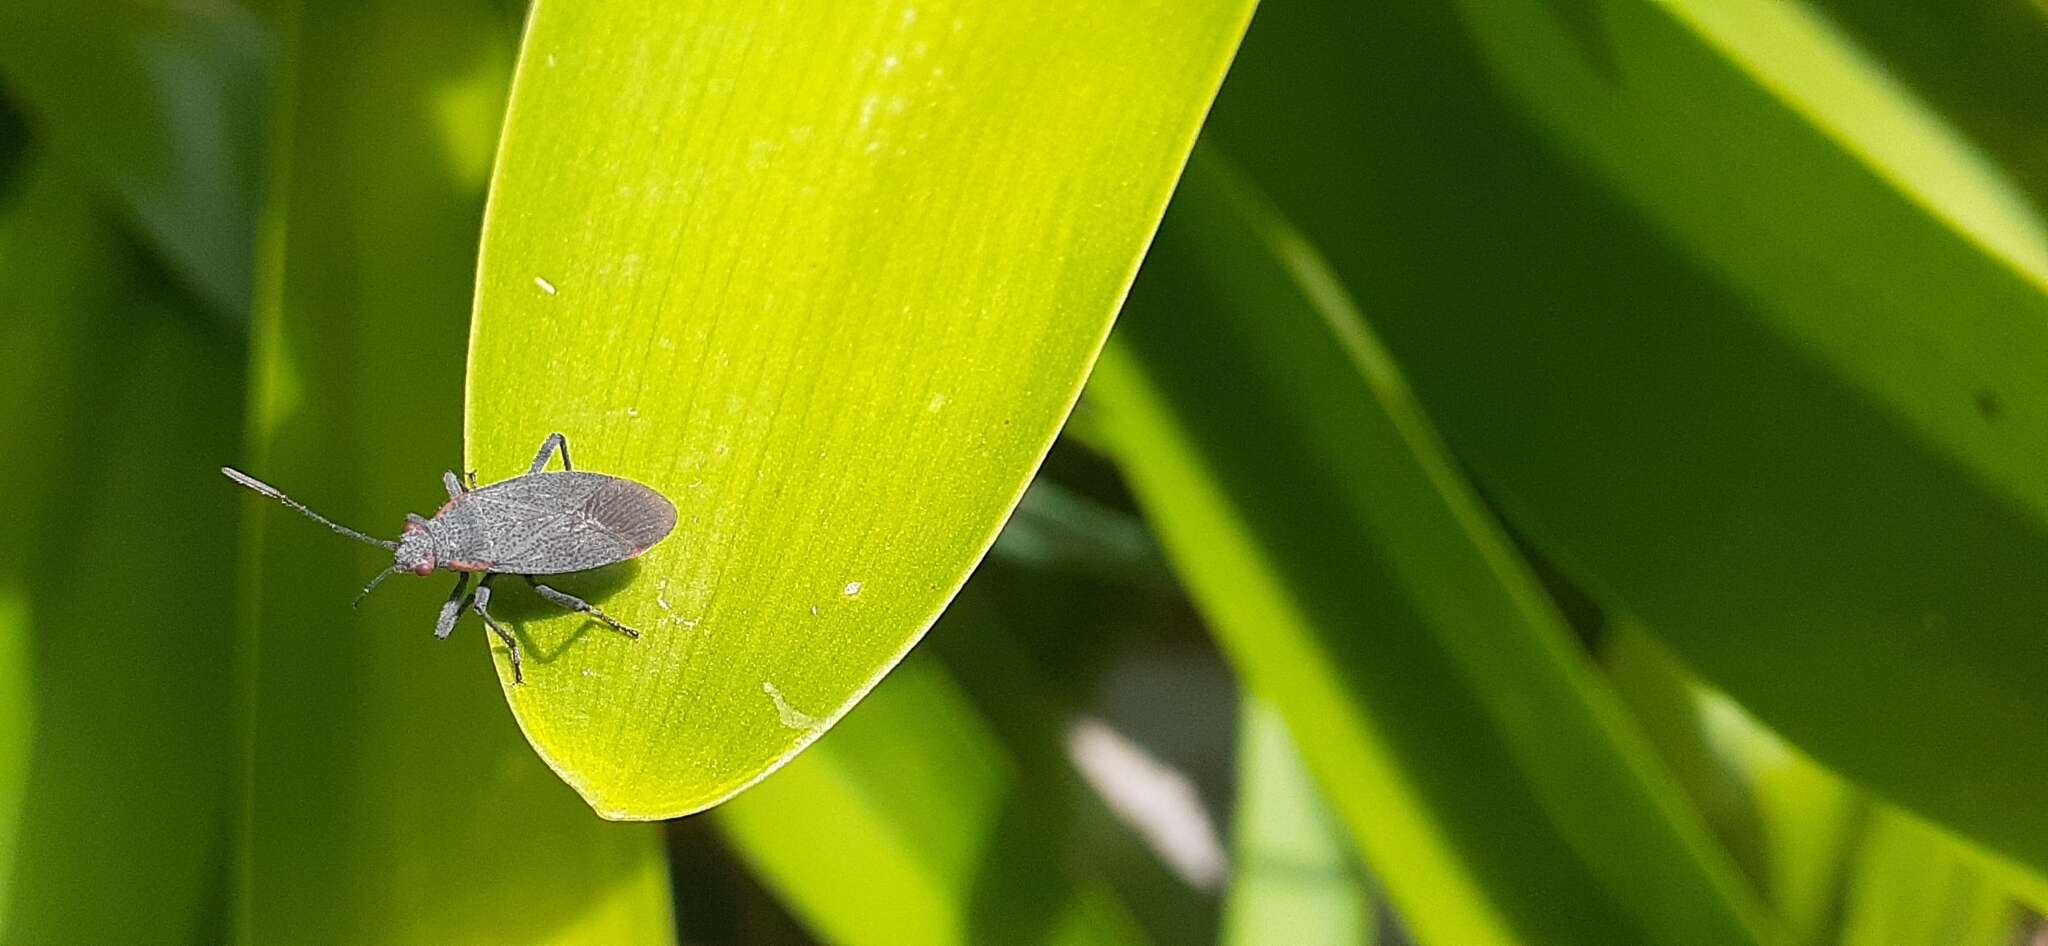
(540, 523)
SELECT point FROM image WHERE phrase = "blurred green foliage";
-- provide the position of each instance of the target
(1606, 436)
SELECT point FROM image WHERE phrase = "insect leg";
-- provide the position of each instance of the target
(574, 603)
(452, 608)
(454, 485)
(480, 604)
(548, 447)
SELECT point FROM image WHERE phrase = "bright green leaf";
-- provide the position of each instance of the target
(1914, 887)
(1292, 877)
(1353, 577)
(829, 277)
(1772, 377)
(389, 796)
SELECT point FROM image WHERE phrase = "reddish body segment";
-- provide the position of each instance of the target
(540, 523)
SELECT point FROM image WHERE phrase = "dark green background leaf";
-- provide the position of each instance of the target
(118, 397)
(1777, 394)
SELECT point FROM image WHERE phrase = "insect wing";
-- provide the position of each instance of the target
(549, 523)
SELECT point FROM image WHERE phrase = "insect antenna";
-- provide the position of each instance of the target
(374, 582)
(272, 492)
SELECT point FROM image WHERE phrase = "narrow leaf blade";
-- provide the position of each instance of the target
(1353, 576)
(1293, 878)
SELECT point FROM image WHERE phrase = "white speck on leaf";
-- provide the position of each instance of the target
(633, 412)
(666, 343)
(938, 403)
(544, 285)
(791, 716)
(814, 610)
(551, 60)
(853, 588)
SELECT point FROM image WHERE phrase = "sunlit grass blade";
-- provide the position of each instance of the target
(1845, 868)
(114, 582)
(829, 277)
(1810, 822)
(1792, 825)
(910, 823)
(1737, 331)
(389, 798)
(162, 102)
(1981, 64)
(1663, 698)
(1913, 887)
(1838, 866)
(1355, 579)
(1293, 876)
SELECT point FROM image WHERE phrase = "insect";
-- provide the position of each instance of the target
(540, 523)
